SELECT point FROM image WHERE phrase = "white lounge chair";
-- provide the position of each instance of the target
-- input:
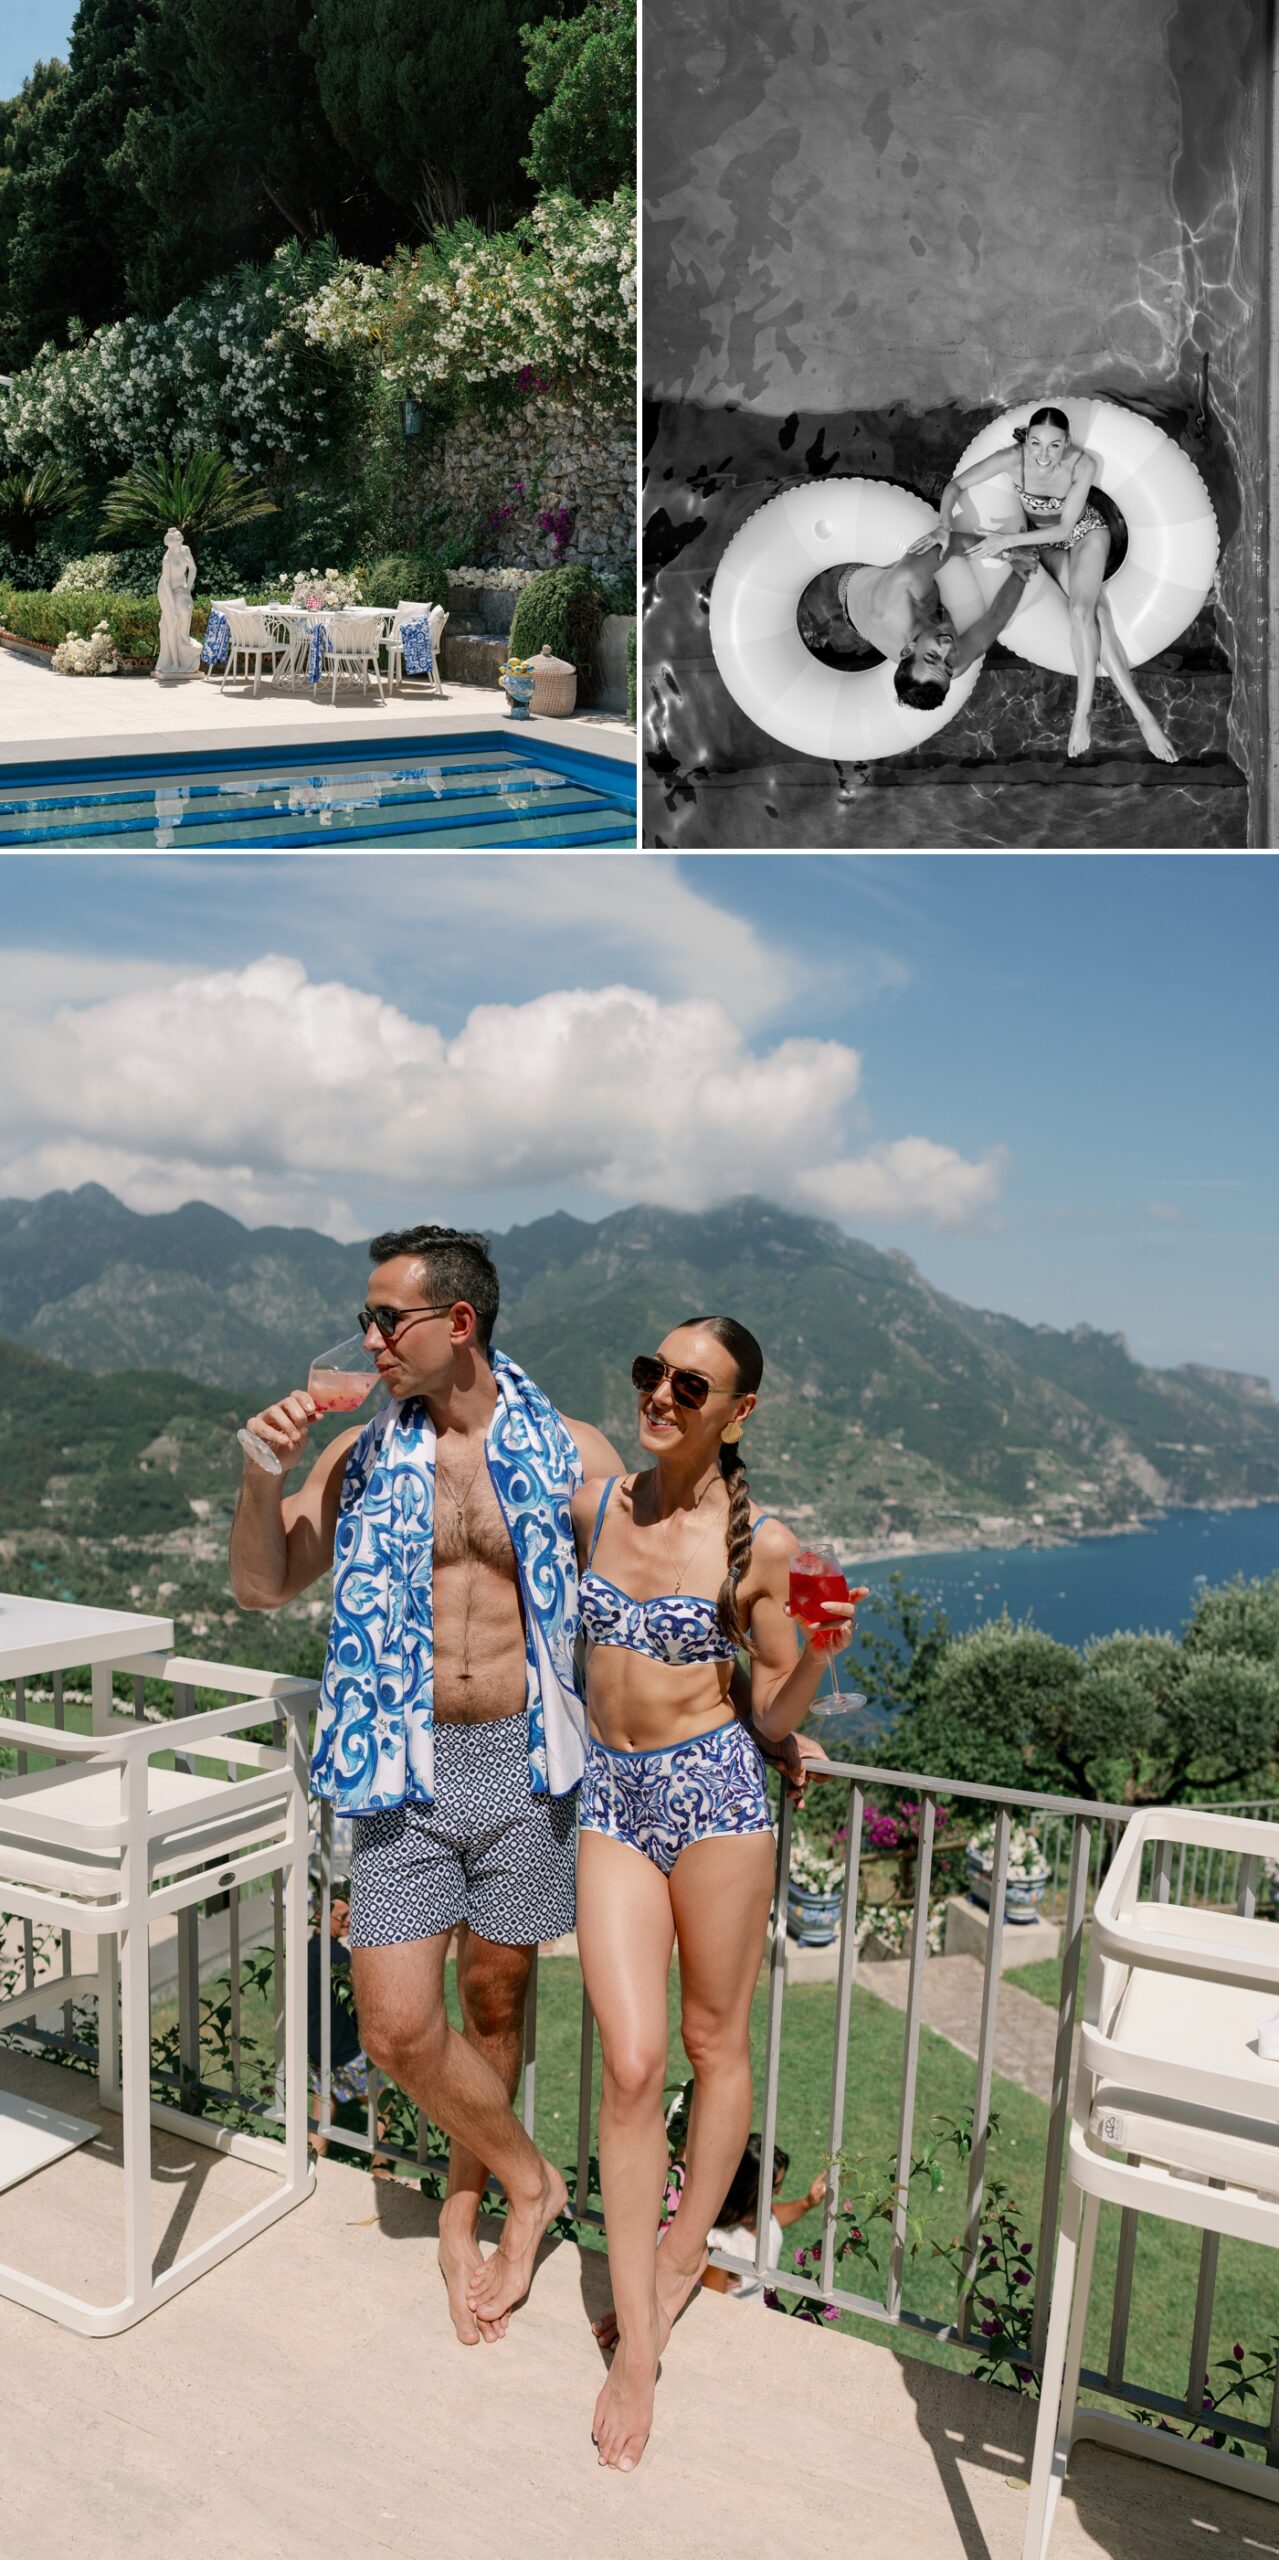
(255, 642)
(437, 616)
(351, 646)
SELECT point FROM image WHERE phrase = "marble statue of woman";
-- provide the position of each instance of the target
(179, 654)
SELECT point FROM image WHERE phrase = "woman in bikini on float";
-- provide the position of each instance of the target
(1053, 479)
(679, 1571)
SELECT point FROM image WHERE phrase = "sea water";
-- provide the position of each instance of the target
(1151, 1577)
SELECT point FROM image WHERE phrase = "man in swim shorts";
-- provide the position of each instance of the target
(449, 1729)
(899, 610)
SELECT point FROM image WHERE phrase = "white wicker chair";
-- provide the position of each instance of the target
(255, 642)
(351, 646)
(437, 617)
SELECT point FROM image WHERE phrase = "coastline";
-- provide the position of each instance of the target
(903, 1549)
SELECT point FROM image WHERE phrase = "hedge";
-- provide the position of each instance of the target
(564, 609)
(133, 621)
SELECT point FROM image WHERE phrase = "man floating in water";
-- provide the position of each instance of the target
(899, 610)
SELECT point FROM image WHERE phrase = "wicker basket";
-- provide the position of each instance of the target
(554, 685)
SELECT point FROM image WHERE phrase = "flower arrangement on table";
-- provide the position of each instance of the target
(96, 656)
(324, 590)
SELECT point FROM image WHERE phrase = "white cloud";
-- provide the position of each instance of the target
(278, 1096)
(1167, 1213)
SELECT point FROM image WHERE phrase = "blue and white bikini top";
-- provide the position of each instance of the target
(674, 1626)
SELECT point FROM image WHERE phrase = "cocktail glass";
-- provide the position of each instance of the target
(338, 1381)
(817, 1576)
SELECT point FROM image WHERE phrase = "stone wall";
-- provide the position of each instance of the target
(563, 459)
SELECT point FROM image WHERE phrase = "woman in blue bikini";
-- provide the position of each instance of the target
(1053, 479)
(679, 1572)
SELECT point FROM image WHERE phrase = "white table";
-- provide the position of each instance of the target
(300, 620)
(59, 1635)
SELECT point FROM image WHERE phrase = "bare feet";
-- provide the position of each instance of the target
(676, 2285)
(1156, 739)
(1080, 735)
(624, 2410)
(459, 2261)
(504, 2279)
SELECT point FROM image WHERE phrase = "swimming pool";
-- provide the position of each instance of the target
(482, 790)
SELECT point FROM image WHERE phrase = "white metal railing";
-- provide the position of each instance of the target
(1079, 1836)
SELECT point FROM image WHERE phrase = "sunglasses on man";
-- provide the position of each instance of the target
(688, 1387)
(391, 1320)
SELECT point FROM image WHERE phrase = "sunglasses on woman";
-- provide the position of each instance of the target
(688, 1387)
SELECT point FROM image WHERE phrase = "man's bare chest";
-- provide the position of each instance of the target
(469, 1527)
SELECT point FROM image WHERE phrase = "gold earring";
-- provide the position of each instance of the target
(730, 1437)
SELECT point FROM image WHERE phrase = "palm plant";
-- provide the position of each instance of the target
(198, 492)
(29, 499)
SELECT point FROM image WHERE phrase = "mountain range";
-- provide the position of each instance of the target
(890, 1411)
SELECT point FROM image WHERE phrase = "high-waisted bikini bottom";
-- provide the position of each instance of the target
(661, 1802)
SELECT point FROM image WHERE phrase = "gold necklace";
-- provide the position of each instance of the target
(682, 1569)
(459, 1502)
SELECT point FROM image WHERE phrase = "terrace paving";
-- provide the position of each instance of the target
(308, 2397)
(43, 715)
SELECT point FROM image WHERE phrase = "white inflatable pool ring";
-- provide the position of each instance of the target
(1172, 533)
(826, 711)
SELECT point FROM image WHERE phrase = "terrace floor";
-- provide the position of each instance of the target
(43, 715)
(308, 2398)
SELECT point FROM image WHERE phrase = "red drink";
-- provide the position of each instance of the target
(813, 1579)
(338, 1390)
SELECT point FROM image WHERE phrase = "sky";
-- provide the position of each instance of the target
(1051, 1080)
(32, 32)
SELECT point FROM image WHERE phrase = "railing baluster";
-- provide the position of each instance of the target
(585, 2079)
(1246, 1904)
(1124, 2262)
(843, 2004)
(530, 2049)
(772, 2057)
(985, 2067)
(188, 2006)
(914, 2008)
(1161, 1870)
(1201, 2336)
(1076, 1914)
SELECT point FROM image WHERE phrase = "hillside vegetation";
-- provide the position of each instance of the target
(889, 1409)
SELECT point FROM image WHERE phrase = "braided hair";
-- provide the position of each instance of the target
(748, 1361)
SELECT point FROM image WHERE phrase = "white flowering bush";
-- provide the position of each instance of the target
(94, 656)
(1026, 1861)
(511, 581)
(891, 1929)
(547, 306)
(225, 371)
(96, 575)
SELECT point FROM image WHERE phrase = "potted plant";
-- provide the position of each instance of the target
(1027, 1871)
(518, 680)
(813, 1895)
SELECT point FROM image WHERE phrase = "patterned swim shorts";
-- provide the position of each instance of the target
(661, 1802)
(486, 1851)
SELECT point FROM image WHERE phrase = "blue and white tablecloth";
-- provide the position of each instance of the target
(217, 642)
(415, 641)
(319, 644)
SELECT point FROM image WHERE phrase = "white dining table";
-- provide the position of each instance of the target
(301, 620)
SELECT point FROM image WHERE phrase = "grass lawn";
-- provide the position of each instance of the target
(1247, 2298)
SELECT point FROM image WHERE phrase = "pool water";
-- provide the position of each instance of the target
(459, 792)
